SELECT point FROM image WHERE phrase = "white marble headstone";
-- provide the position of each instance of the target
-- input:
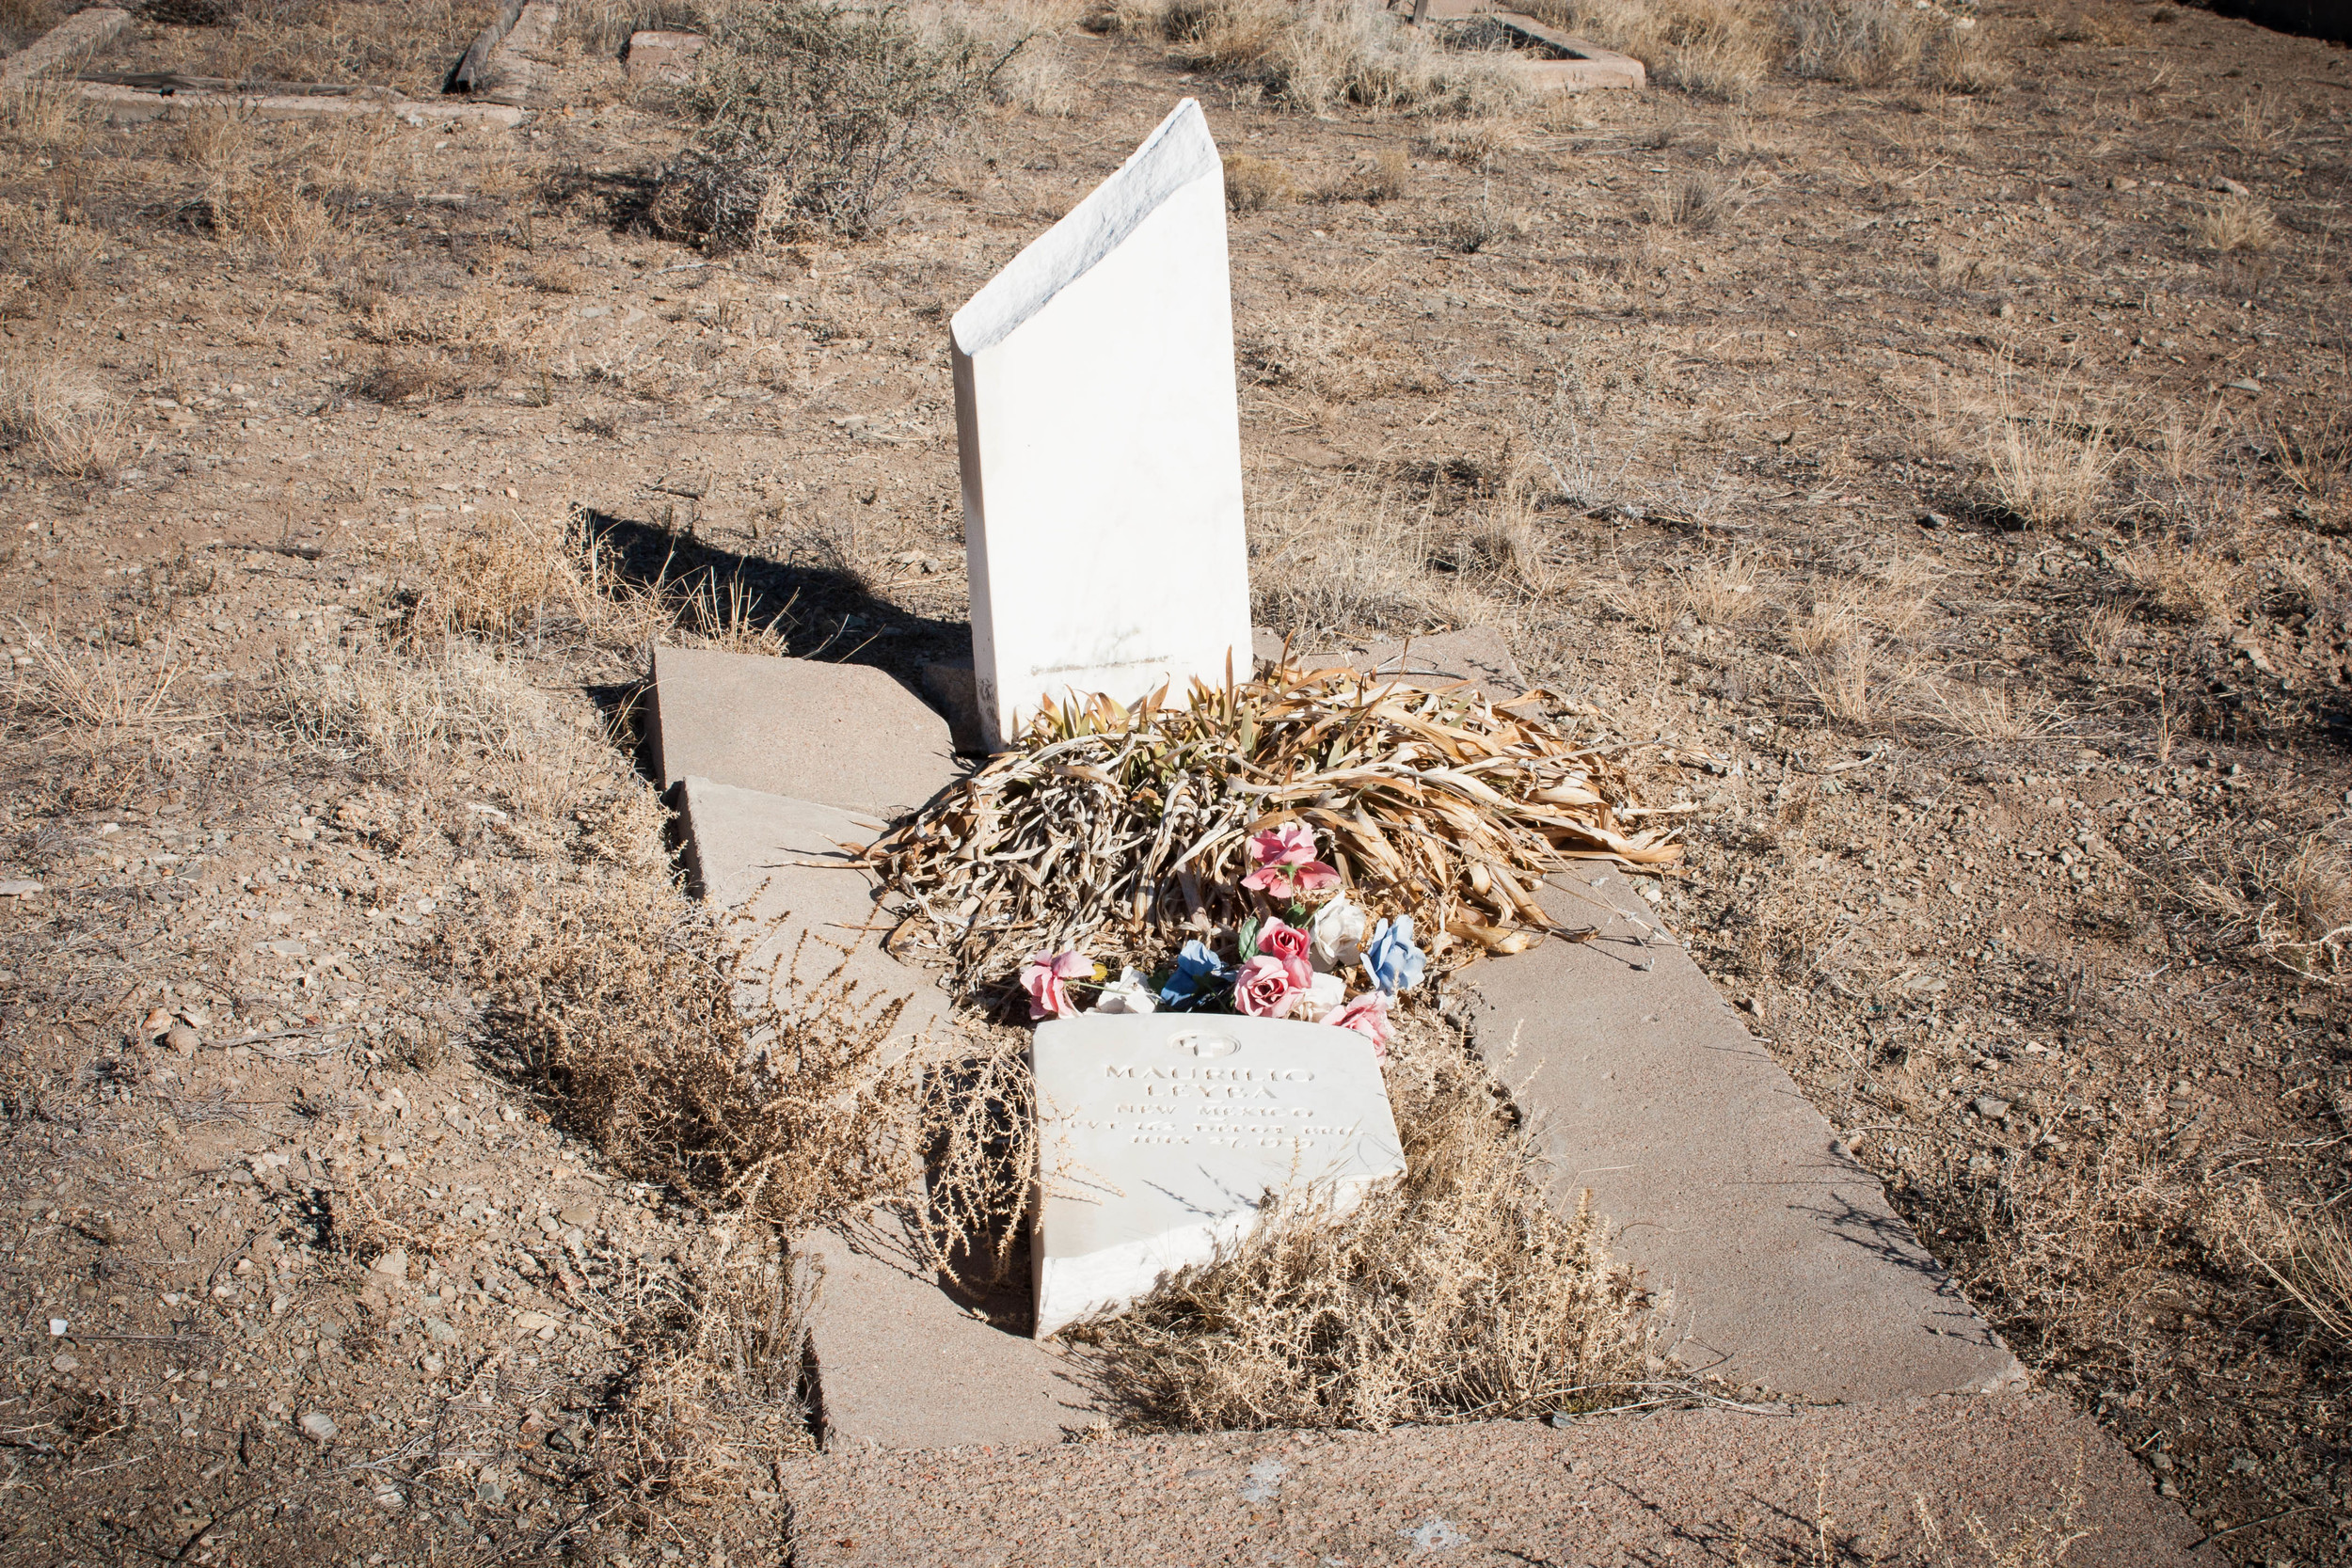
(1161, 1135)
(1101, 446)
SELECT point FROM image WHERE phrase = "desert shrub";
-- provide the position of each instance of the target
(815, 113)
(1458, 1293)
(651, 1034)
(1252, 185)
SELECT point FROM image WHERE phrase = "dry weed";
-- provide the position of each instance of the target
(2187, 581)
(1253, 184)
(2306, 1249)
(1854, 676)
(1341, 561)
(2234, 222)
(50, 252)
(101, 695)
(44, 113)
(1458, 1293)
(1697, 201)
(1720, 590)
(1720, 49)
(78, 436)
(1040, 80)
(1316, 56)
(1335, 354)
(1879, 43)
(2288, 904)
(640, 1016)
(2050, 467)
(719, 1387)
(1989, 714)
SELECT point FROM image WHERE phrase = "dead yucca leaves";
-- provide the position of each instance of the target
(1430, 803)
(1458, 1293)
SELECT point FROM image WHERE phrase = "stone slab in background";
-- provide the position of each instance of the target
(66, 48)
(1100, 442)
(781, 862)
(902, 1363)
(1789, 1270)
(840, 735)
(666, 58)
(1479, 655)
(1159, 1134)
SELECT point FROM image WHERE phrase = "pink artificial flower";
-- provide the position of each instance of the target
(1263, 987)
(1292, 844)
(1286, 861)
(1368, 1015)
(1043, 977)
(1290, 944)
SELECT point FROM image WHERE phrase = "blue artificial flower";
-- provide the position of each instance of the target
(1392, 959)
(1194, 965)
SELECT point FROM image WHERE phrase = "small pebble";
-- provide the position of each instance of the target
(392, 1261)
(319, 1424)
(182, 1039)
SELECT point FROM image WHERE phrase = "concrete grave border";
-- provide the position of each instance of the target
(1587, 65)
(76, 42)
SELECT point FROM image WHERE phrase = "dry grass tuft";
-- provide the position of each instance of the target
(395, 379)
(2188, 582)
(2306, 1250)
(1881, 42)
(1721, 49)
(1253, 184)
(2051, 467)
(44, 113)
(75, 436)
(1697, 201)
(2287, 904)
(721, 1382)
(637, 1013)
(1335, 354)
(824, 117)
(1989, 714)
(1460, 1294)
(99, 695)
(1721, 591)
(2236, 223)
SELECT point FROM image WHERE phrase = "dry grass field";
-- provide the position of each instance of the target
(1942, 428)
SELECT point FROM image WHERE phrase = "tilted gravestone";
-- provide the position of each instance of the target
(1101, 446)
(1160, 1136)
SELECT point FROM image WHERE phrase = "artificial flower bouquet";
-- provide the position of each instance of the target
(1295, 963)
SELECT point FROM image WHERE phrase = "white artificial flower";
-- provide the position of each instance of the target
(1338, 930)
(1131, 992)
(1323, 995)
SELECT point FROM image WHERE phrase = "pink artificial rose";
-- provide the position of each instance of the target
(1287, 868)
(1291, 945)
(1043, 977)
(1292, 844)
(1368, 1015)
(1263, 987)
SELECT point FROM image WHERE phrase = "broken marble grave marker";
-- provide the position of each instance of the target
(1101, 446)
(1160, 1135)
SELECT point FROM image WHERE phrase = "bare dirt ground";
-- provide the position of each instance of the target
(1967, 472)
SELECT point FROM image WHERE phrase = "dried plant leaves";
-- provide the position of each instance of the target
(1128, 829)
